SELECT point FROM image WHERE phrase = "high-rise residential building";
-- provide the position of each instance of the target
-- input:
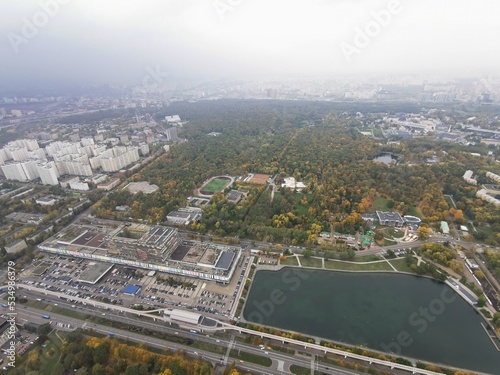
(38, 154)
(14, 171)
(3, 156)
(73, 167)
(171, 134)
(30, 169)
(121, 158)
(30, 144)
(48, 173)
(87, 141)
(144, 148)
(17, 153)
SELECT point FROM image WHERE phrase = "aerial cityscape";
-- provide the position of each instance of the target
(249, 187)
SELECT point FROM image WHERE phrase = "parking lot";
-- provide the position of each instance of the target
(156, 290)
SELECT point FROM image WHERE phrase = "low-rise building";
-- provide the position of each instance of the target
(390, 218)
(46, 201)
(184, 215)
(16, 247)
(234, 196)
(290, 183)
(445, 228)
(141, 186)
(111, 184)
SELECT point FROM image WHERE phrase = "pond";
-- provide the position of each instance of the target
(400, 314)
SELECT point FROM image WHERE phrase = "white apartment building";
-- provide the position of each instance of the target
(48, 173)
(14, 171)
(30, 169)
(76, 168)
(87, 141)
(17, 153)
(144, 148)
(121, 158)
(29, 144)
(3, 156)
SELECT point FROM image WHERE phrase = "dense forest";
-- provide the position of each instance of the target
(320, 145)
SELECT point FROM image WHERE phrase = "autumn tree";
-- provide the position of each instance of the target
(423, 233)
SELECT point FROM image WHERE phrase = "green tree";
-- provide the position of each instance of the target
(481, 301)
(58, 369)
(496, 320)
(347, 254)
(82, 371)
(44, 329)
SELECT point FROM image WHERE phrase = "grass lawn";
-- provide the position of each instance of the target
(70, 313)
(389, 242)
(303, 210)
(366, 258)
(51, 353)
(311, 262)
(337, 265)
(380, 204)
(414, 211)
(217, 184)
(36, 304)
(282, 349)
(290, 261)
(56, 309)
(400, 265)
(299, 370)
(395, 233)
(249, 357)
(209, 347)
(486, 229)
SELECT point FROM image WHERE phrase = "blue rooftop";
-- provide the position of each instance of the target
(131, 289)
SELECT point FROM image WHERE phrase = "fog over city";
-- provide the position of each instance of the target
(90, 42)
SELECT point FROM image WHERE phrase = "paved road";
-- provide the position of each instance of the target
(279, 360)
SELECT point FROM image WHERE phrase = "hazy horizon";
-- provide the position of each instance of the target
(77, 42)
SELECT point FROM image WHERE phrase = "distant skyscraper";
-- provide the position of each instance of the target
(272, 93)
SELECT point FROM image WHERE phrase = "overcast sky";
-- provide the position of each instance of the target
(115, 41)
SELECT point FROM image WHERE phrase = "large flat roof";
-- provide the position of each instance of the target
(225, 260)
(94, 272)
(131, 289)
(389, 216)
(184, 316)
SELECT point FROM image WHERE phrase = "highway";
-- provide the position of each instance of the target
(122, 314)
(280, 362)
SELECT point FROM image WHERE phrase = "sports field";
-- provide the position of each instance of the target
(260, 178)
(217, 184)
